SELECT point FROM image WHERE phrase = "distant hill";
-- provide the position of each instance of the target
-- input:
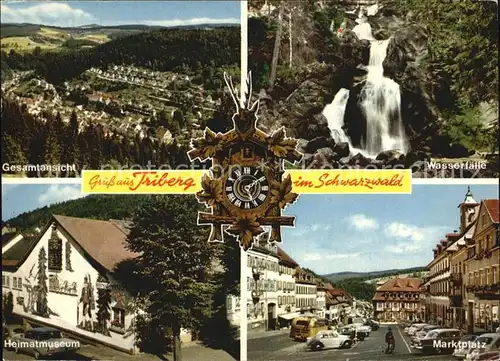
(339, 276)
(93, 206)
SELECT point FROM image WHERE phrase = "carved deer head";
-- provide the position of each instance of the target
(245, 118)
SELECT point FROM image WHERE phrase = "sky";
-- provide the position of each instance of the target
(161, 13)
(362, 233)
(17, 199)
(333, 233)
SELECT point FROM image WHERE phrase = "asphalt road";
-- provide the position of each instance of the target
(281, 348)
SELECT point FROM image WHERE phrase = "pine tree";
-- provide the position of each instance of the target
(42, 306)
(176, 263)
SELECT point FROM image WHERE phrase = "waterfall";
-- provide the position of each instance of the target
(380, 101)
(334, 113)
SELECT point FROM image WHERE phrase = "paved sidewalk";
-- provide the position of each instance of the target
(251, 335)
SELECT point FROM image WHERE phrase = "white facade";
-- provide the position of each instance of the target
(262, 287)
(286, 290)
(305, 296)
(70, 281)
(321, 302)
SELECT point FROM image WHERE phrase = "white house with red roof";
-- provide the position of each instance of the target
(55, 279)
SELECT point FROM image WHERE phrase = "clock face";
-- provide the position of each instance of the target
(247, 187)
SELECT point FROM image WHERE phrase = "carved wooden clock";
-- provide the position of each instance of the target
(245, 187)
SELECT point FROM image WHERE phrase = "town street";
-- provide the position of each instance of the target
(279, 347)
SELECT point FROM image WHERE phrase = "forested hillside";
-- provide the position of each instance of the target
(92, 206)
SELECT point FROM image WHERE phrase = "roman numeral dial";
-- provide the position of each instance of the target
(246, 187)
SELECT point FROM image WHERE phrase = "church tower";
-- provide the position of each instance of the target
(468, 210)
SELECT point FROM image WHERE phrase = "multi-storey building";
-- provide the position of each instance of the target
(338, 303)
(399, 299)
(321, 299)
(463, 287)
(262, 286)
(286, 289)
(482, 267)
(305, 292)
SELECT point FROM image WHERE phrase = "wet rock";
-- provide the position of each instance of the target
(417, 166)
(318, 143)
(342, 149)
(328, 154)
(458, 151)
(301, 145)
(389, 155)
(359, 160)
(306, 160)
(412, 157)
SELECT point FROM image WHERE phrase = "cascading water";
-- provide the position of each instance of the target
(380, 101)
(334, 113)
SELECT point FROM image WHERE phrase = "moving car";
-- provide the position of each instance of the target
(463, 349)
(442, 340)
(328, 339)
(45, 342)
(487, 342)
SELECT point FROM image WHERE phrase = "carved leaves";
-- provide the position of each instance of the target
(211, 192)
(281, 193)
(208, 146)
(281, 146)
(246, 228)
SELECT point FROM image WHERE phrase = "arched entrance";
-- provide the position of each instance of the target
(271, 316)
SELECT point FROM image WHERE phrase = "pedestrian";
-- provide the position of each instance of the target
(390, 341)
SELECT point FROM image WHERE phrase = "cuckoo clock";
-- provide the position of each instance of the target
(245, 187)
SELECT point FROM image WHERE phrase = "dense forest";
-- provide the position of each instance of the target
(29, 140)
(92, 206)
(185, 51)
(447, 86)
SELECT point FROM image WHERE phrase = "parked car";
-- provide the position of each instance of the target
(353, 332)
(373, 324)
(463, 349)
(487, 356)
(45, 342)
(487, 342)
(424, 331)
(12, 333)
(328, 339)
(441, 340)
(415, 328)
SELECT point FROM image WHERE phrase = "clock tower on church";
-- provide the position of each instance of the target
(468, 210)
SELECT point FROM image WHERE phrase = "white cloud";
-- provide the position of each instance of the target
(64, 15)
(411, 238)
(60, 193)
(51, 13)
(195, 21)
(329, 256)
(317, 227)
(401, 230)
(362, 222)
